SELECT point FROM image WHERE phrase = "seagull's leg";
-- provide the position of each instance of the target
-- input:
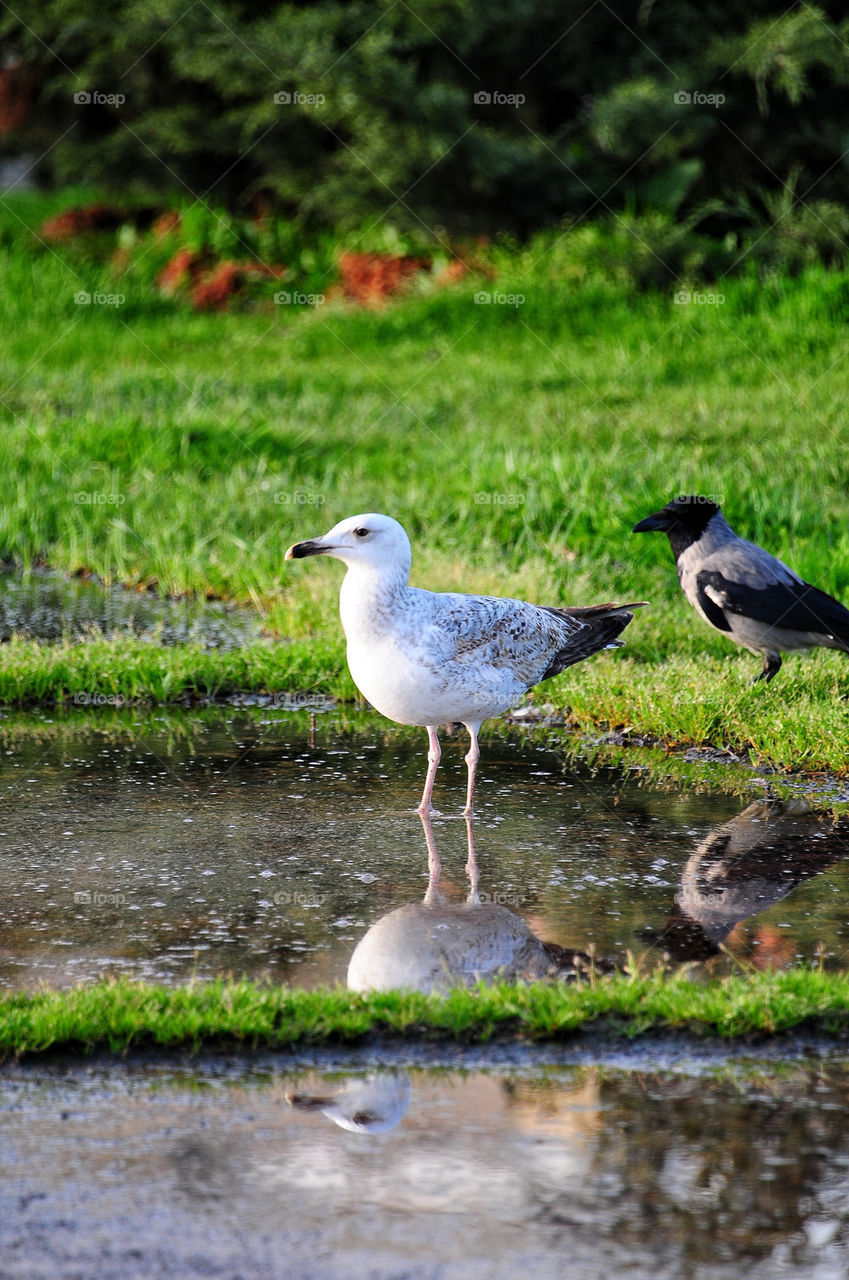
(472, 757)
(771, 666)
(434, 866)
(432, 761)
(472, 860)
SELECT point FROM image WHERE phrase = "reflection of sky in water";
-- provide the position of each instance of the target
(581, 1171)
(226, 842)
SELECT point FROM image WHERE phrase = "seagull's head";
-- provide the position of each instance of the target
(373, 541)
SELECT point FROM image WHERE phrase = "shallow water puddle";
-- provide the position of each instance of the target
(45, 605)
(585, 1171)
(163, 846)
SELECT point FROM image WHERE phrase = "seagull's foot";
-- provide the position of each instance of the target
(427, 811)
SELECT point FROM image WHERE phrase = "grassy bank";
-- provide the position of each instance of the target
(803, 724)
(226, 1014)
(517, 441)
(121, 670)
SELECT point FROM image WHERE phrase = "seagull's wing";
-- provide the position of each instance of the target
(788, 604)
(534, 641)
(500, 632)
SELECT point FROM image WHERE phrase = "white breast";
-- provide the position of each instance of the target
(408, 686)
(421, 657)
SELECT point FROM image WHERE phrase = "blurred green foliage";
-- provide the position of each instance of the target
(445, 115)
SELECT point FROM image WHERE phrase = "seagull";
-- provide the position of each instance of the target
(429, 658)
(742, 590)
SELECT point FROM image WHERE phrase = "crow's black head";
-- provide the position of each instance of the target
(684, 520)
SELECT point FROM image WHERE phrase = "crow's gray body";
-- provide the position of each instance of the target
(743, 591)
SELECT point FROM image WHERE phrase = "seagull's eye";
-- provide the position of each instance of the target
(361, 533)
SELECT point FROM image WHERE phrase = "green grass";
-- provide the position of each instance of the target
(120, 1014)
(518, 444)
(803, 724)
(116, 671)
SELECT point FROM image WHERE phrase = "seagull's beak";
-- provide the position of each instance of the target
(659, 522)
(310, 1101)
(314, 547)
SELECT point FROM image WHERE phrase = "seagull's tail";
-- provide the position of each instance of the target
(602, 624)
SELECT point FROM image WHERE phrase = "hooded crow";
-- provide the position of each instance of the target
(742, 590)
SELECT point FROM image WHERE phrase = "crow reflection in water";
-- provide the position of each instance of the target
(744, 866)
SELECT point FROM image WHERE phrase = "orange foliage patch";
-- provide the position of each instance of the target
(182, 270)
(215, 288)
(370, 278)
(82, 221)
(165, 224)
(455, 271)
(211, 287)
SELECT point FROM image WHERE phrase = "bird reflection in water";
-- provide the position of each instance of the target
(434, 945)
(437, 944)
(743, 867)
(738, 870)
(373, 1103)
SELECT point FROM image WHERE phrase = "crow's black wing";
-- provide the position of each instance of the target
(790, 606)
